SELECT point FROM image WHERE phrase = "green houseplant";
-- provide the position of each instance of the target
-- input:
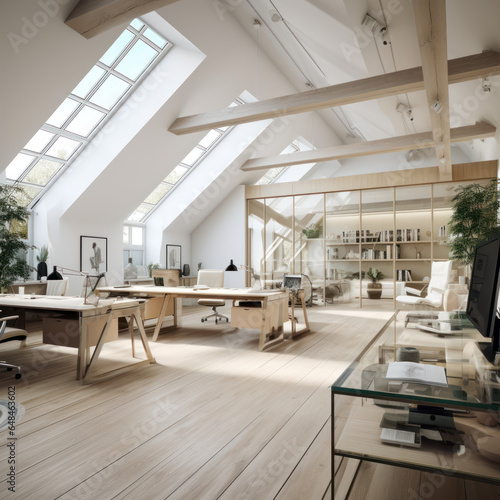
(13, 248)
(314, 230)
(374, 288)
(474, 219)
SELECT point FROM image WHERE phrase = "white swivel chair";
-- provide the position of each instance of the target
(211, 279)
(57, 287)
(8, 334)
(438, 284)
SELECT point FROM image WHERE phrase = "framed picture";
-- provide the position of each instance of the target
(93, 254)
(173, 257)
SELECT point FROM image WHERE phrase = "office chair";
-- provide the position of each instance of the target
(212, 279)
(57, 287)
(6, 335)
(438, 284)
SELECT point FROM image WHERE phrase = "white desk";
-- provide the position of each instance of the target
(274, 305)
(87, 316)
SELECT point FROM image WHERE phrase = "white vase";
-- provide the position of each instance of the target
(130, 271)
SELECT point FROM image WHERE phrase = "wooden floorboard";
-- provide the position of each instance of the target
(213, 419)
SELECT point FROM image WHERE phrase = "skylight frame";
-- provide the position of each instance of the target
(294, 145)
(82, 103)
(223, 132)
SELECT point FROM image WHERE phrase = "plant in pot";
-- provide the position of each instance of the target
(13, 248)
(474, 219)
(314, 230)
(41, 268)
(374, 289)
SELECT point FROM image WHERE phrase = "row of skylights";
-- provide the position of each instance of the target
(84, 111)
(273, 173)
(192, 159)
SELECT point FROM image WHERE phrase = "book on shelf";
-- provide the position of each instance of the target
(417, 372)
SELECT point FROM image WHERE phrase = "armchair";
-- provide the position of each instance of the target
(8, 334)
(438, 284)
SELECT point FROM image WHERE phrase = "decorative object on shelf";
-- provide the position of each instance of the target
(474, 219)
(41, 268)
(231, 267)
(374, 289)
(55, 275)
(199, 265)
(130, 272)
(314, 230)
(173, 257)
(418, 251)
(407, 353)
(93, 254)
(186, 271)
(14, 223)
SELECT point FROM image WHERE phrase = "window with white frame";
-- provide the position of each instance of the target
(76, 121)
(134, 247)
(179, 173)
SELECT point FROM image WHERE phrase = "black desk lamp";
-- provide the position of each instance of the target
(231, 267)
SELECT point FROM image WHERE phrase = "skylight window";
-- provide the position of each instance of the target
(191, 160)
(273, 173)
(73, 124)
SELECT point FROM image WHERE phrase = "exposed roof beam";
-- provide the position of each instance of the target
(375, 87)
(481, 130)
(430, 22)
(91, 17)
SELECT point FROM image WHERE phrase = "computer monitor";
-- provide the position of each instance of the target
(482, 302)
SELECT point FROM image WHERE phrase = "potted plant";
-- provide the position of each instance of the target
(13, 248)
(314, 230)
(374, 289)
(474, 219)
(41, 269)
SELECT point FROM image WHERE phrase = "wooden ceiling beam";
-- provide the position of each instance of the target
(91, 17)
(481, 130)
(376, 87)
(430, 22)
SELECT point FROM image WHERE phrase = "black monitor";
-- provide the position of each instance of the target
(482, 302)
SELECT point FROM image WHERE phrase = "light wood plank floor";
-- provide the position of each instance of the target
(213, 419)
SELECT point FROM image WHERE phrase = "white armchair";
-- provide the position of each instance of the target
(438, 284)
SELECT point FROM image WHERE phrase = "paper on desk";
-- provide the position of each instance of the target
(417, 372)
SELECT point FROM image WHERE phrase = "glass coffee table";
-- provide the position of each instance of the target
(398, 417)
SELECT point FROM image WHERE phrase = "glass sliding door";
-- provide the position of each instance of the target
(377, 244)
(256, 240)
(342, 225)
(279, 240)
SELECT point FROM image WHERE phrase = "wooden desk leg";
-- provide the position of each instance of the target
(144, 339)
(131, 329)
(98, 347)
(82, 349)
(262, 338)
(161, 317)
(304, 309)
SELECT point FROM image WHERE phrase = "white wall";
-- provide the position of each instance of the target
(221, 237)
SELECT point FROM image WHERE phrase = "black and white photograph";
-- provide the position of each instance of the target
(173, 256)
(93, 254)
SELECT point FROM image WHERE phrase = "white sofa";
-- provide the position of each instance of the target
(387, 288)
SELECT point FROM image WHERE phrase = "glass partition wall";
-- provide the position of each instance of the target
(334, 239)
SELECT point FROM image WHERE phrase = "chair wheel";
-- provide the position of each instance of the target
(9, 369)
(216, 321)
(19, 375)
(227, 320)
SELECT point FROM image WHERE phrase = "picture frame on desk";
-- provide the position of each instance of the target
(173, 257)
(93, 254)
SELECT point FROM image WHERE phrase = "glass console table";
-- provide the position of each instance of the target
(417, 425)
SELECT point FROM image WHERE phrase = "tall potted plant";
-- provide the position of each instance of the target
(374, 289)
(13, 248)
(474, 219)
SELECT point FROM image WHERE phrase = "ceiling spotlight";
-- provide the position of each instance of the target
(275, 16)
(256, 24)
(486, 86)
(442, 160)
(309, 85)
(405, 110)
(373, 25)
(437, 107)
